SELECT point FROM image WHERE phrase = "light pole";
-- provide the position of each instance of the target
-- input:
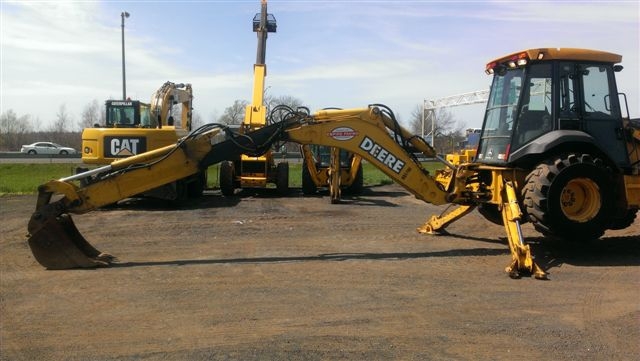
(124, 14)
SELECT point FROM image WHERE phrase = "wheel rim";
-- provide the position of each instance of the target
(580, 200)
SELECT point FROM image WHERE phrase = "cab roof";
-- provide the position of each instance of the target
(544, 54)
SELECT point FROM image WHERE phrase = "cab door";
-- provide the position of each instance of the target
(589, 102)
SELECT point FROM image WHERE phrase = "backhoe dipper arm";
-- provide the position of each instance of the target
(370, 132)
(374, 134)
(54, 239)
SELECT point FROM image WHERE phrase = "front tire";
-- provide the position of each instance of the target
(569, 197)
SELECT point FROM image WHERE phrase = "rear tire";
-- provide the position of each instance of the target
(226, 178)
(624, 222)
(569, 197)
(308, 185)
(282, 178)
(358, 183)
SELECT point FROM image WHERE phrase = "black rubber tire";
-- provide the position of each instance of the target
(32, 152)
(196, 185)
(308, 185)
(358, 183)
(282, 178)
(553, 190)
(624, 222)
(63, 152)
(226, 179)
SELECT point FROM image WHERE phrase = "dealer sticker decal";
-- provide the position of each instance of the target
(342, 133)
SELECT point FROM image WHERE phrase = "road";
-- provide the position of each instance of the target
(17, 157)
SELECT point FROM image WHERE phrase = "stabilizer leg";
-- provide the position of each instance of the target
(335, 176)
(522, 260)
(437, 224)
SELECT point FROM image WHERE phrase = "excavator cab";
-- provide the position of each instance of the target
(126, 114)
(543, 101)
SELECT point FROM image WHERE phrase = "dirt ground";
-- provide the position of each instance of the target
(264, 278)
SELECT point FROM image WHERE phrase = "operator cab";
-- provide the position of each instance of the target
(543, 98)
(127, 114)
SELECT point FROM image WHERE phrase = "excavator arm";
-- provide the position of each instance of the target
(163, 100)
(374, 134)
(53, 238)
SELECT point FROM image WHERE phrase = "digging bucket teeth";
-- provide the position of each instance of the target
(57, 244)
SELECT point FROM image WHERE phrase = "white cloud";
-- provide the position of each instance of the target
(339, 53)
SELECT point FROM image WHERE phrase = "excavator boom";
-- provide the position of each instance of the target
(54, 239)
(56, 242)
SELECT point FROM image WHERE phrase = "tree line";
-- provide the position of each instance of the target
(16, 130)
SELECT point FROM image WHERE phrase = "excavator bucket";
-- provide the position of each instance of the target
(56, 243)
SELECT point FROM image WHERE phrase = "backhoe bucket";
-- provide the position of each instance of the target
(56, 244)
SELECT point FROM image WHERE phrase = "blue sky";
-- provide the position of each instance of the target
(327, 53)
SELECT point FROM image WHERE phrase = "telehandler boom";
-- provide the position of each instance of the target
(246, 171)
(554, 150)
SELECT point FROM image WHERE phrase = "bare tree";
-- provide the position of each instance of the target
(62, 121)
(10, 123)
(235, 113)
(447, 131)
(288, 100)
(14, 130)
(196, 120)
(90, 115)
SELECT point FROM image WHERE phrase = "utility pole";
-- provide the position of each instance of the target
(124, 14)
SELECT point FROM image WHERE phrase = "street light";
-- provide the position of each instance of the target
(124, 14)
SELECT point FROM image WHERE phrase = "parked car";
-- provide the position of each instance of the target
(46, 148)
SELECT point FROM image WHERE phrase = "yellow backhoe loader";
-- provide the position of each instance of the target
(555, 150)
(321, 165)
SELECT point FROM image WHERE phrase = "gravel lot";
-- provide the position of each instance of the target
(258, 277)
